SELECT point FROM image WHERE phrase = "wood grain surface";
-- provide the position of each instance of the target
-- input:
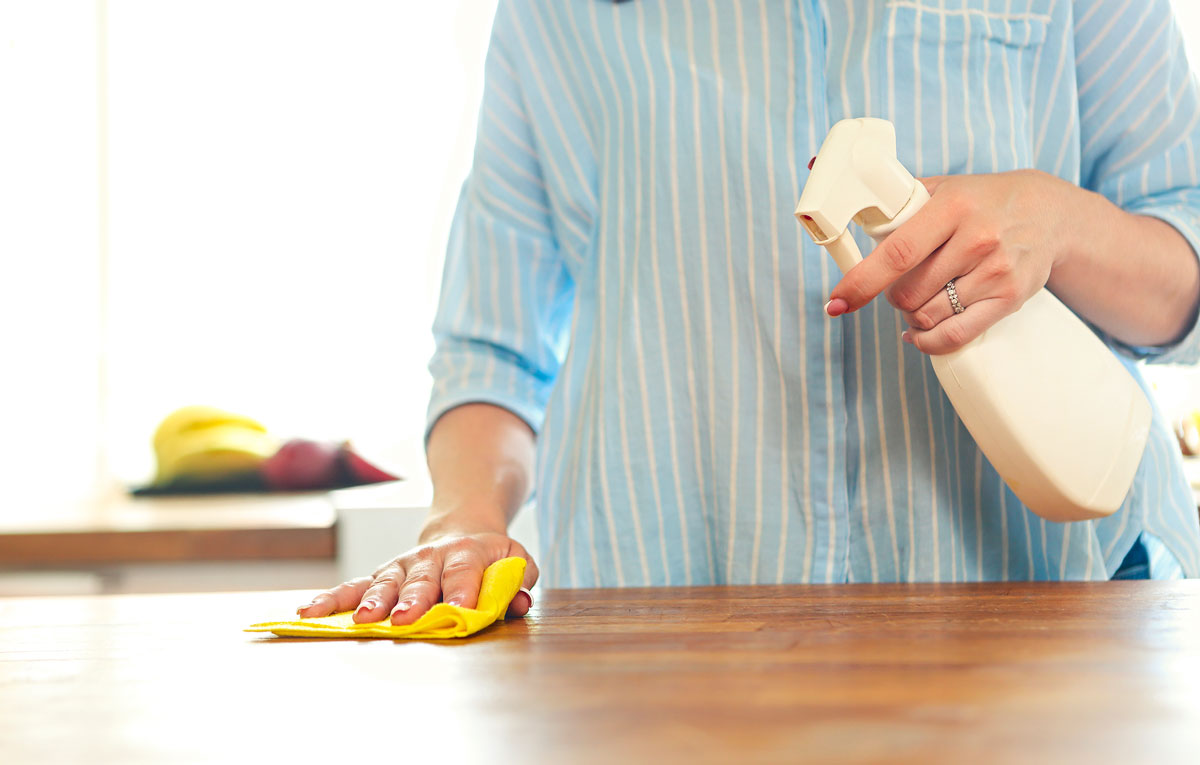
(1063, 672)
(123, 529)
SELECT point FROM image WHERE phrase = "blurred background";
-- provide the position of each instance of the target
(239, 203)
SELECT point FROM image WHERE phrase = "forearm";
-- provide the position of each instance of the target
(1133, 276)
(481, 460)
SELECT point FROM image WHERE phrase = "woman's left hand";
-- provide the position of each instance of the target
(998, 236)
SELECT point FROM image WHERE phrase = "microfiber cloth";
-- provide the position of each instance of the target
(501, 582)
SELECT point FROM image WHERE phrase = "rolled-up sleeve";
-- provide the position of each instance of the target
(1139, 111)
(506, 297)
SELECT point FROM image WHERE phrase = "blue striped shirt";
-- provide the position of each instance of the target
(624, 273)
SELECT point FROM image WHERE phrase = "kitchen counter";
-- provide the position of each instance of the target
(1055, 672)
(119, 528)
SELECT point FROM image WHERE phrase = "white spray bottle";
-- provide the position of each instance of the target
(1052, 409)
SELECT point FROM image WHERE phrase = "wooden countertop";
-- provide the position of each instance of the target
(957, 673)
(118, 528)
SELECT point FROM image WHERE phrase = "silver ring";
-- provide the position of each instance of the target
(952, 293)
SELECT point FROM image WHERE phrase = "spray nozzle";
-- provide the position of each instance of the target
(855, 177)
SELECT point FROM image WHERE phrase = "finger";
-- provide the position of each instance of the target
(531, 572)
(920, 285)
(971, 289)
(521, 603)
(421, 589)
(904, 248)
(462, 574)
(381, 596)
(957, 331)
(341, 598)
(523, 600)
(517, 550)
(965, 251)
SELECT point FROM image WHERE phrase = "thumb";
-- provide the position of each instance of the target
(523, 600)
(516, 550)
(531, 574)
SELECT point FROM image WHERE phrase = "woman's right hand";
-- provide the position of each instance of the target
(449, 569)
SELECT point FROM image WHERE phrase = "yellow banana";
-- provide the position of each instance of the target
(200, 442)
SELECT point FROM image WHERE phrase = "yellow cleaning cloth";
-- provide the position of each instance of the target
(501, 581)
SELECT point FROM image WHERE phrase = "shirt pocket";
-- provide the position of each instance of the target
(960, 76)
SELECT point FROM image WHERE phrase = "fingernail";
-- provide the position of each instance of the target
(836, 307)
(368, 605)
(454, 602)
(402, 607)
(906, 337)
(307, 605)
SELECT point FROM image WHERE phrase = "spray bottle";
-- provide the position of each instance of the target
(1062, 422)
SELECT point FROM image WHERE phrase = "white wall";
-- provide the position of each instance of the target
(1188, 14)
(283, 173)
(49, 269)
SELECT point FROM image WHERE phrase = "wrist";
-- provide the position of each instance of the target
(462, 521)
(1085, 220)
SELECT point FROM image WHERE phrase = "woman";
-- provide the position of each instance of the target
(625, 288)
